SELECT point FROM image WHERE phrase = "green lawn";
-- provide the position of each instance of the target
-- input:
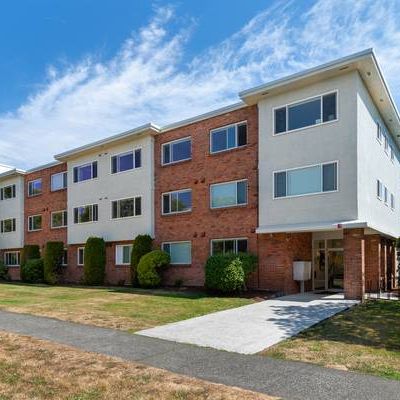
(120, 308)
(365, 338)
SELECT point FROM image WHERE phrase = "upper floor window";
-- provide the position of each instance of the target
(126, 161)
(178, 150)
(126, 207)
(177, 202)
(379, 189)
(35, 187)
(58, 181)
(228, 194)
(87, 213)
(34, 223)
(180, 252)
(228, 137)
(315, 111)
(85, 172)
(385, 195)
(8, 225)
(386, 143)
(12, 258)
(307, 180)
(7, 192)
(59, 219)
(392, 201)
(225, 246)
(391, 153)
(123, 254)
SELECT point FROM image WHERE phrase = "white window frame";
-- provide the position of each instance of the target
(379, 132)
(134, 207)
(14, 223)
(307, 194)
(379, 189)
(304, 100)
(124, 154)
(77, 256)
(65, 224)
(29, 187)
(63, 173)
(63, 263)
(179, 242)
(391, 153)
(88, 222)
(392, 201)
(235, 239)
(236, 124)
(233, 205)
(174, 142)
(121, 246)
(386, 143)
(33, 216)
(13, 187)
(18, 253)
(169, 193)
(85, 165)
(385, 195)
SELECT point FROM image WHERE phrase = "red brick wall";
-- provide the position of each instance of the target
(203, 224)
(45, 204)
(372, 262)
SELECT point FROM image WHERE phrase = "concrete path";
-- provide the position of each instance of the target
(284, 379)
(252, 328)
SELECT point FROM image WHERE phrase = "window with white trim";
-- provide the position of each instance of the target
(392, 201)
(12, 258)
(88, 213)
(58, 181)
(126, 161)
(8, 192)
(85, 172)
(226, 246)
(391, 152)
(314, 111)
(228, 137)
(313, 179)
(379, 133)
(385, 195)
(177, 202)
(180, 252)
(123, 254)
(59, 219)
(386, 143)
(228, 194)
(35, 187)
(34, 223)
(64, 260)
(125, 208)
(8, 225)
(80, 256)
(177, 150)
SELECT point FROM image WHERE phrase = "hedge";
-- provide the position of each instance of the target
(4, 272)
(148, 270)
(94, 261)
(142, 245)
(29, 252)
(32, 270)
(52, 262)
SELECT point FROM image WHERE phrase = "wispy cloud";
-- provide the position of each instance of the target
(148, 81)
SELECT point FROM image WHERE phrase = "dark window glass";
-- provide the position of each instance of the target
(242, 246)
(138, 206)
(280, 120)
(218, 140)
(218, 247)
(95, 212)
(305, 114)
(114, 164)
(138, 158)
(126, 208)
(229, 246)
(35, 187)
(184, 201)
(280, 184)
(181, 150)
(329, 107)
(329, 177)
(125, 162)
(115, 209)
(242, 135)
(166, 154)
(76, 215)
(242, 192)
(75, 174)
(231, 137)
(85, 172)
(166, 209)
(94, 165)
(167, 248)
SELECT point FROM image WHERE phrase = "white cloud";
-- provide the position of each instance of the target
(148, 81)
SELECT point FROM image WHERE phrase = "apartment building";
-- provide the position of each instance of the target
(305, 168)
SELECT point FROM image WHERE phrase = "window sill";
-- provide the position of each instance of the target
(228, 207)
(216, 153)
(177, 162)
(174, 214)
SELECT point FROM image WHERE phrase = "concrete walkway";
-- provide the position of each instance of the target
(252, 328)
(284, 379)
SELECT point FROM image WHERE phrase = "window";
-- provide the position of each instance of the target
(228, 137)
(180, 252)
(126, 161)
(8, 225)
(379, 132)
(35, 187)
(12, 258)
(392, 202)
(7, 192)
(177, 202)
(308, 180)
(80, 256)
(59, 219)
(64, 260)
(318, 110)
(178, 150)
(391, 153)
(385, 195)
(224, 246)
(379, 189)
(228, 194)
(58, 181)
(85, 172)
(87, 213)
(126, 208)
(123, 254)
(34, 223)
(386, 142)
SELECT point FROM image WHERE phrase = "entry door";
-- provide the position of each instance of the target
(335, 269)
(319, 265)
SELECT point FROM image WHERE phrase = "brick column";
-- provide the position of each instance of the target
(384, 263)
(354, 263)
(372, 262)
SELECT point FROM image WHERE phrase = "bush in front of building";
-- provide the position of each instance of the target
(32, 271)
(150, 266)
(94, 264)
(52, 262)
(224, 273)
(4, 272)
(29, 252)
(142, 245)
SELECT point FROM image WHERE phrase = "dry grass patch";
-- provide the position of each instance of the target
(37, 369)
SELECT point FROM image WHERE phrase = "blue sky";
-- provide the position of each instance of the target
(78, 70)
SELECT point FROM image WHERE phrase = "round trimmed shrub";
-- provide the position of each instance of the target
(4, 272)
(32, 270)
(142, 245)
(150, 265)
(94, 261)
(52, 262)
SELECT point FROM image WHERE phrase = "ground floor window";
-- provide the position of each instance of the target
(81, 255)
(64, 260)
(123, 254)
(180, 252)
(12, 258)
(226, 246)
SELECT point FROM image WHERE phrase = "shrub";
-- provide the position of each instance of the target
(29, 252)
(142, 245)
(249, 264)
(52, 262)
(32, 270)
(149, 267)
(4, 272)
(94, 261)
